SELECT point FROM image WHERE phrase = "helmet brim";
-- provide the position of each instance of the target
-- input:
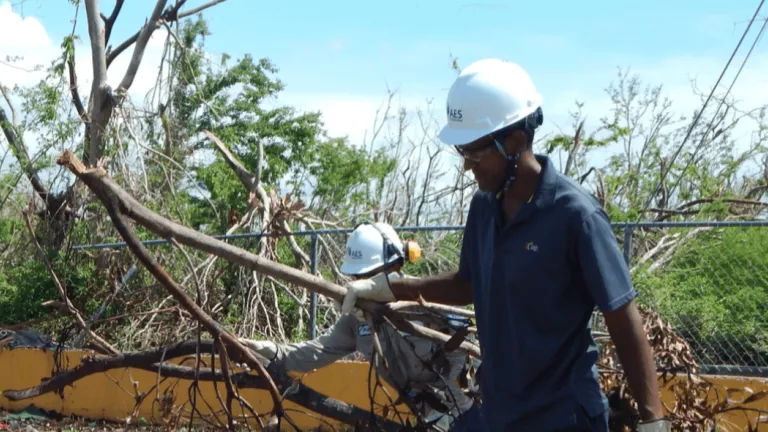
(459, 137)
(351, 269)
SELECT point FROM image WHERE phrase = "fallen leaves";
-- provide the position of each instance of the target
(699, 404)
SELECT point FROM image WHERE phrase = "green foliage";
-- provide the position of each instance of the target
(343, 174)
(714, 284)
(715, 290)
(24, 287)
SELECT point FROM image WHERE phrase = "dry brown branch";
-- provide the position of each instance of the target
(685, 209)
(70, 308)
(269, 220)
(698, 404)
(246, 178)
(577, 139)
(120, 203)
(76, 100)
(20, 151)
(212, 326)
(120, 222)
(110, 22)
(434, 307)
(157, 361)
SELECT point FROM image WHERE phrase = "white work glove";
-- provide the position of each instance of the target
(375, 288)
(266, 349)
(356, 312)
(660, 425)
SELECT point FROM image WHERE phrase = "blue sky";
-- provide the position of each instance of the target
(339, 56)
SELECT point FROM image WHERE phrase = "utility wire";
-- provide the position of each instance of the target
(698, 116)
(720, 105)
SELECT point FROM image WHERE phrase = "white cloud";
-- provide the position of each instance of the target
(676, 75)
(354, 115)
(27, 38)
(24, 43)
(337, 45)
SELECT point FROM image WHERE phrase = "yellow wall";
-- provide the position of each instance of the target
(111, 395)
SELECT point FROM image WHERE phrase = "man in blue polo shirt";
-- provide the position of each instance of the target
(538, 256)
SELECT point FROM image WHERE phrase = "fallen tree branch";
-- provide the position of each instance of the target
(156, 361)
(121, 203)
(433, 307)
(141, 252)
(69, 307)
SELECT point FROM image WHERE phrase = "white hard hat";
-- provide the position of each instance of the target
(488, 95)
(371, 246)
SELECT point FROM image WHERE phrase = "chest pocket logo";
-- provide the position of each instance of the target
(364, 330)
(531, 246)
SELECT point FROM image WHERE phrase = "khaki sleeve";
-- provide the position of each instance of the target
(321, 351)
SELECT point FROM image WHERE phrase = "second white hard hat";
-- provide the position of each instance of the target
(488, 95)
(371, 247)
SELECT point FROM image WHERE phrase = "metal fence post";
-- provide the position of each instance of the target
(313, 295)
(628, 243)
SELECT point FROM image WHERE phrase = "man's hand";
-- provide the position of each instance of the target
(625, 326)
(660, 425)
(375, 288)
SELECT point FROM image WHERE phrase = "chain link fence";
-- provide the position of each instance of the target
(709, 280)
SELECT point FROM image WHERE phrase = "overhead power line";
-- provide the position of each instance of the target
(722, 102)
(703, 107)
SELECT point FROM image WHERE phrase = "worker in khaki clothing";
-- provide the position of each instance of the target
(427, 382)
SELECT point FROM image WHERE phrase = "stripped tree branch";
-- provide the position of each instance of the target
(19, 149)
(141, 45)
(110, 22)
(170, 15)
(121, 203)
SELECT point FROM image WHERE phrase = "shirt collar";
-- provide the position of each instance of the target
(544, 196)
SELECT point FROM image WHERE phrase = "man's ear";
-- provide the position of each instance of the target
(516, 142)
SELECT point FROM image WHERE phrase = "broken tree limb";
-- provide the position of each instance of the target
(126, 231)
(152, 361)
(209, 323)
(113, 196)
(69, 307)
(434, 307)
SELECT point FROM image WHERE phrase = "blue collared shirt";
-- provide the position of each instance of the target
(536, 280)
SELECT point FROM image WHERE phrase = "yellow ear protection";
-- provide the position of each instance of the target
(411, 248)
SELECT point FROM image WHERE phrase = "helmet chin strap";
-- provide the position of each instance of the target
(530, 124)
(510, 170)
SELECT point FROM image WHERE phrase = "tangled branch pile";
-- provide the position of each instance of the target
(699, 405)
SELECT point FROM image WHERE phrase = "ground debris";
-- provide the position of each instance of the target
(698, 402)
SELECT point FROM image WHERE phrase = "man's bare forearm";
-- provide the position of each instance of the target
(446, 288)
(626, 328)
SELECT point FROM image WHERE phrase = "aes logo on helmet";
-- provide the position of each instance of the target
(454, 114)
(354, 254)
